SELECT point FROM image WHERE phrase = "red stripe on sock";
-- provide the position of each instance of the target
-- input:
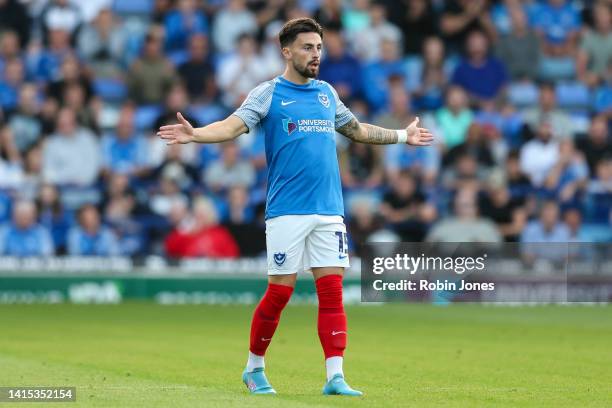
(267, 315)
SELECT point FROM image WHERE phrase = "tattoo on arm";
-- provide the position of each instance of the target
(366, 133)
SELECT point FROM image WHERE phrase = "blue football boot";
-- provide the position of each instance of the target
(337, 386)
(256, 382)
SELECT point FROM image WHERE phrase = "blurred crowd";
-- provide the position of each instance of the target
(518, 94)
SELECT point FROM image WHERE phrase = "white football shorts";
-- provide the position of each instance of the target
(301, 242)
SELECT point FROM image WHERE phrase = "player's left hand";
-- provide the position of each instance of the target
(418, 136)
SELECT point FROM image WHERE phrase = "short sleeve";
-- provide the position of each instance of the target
(256, 105)
(343, 114)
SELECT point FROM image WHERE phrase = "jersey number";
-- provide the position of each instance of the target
(342, 243)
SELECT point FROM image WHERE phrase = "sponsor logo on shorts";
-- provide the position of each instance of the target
(279, 258)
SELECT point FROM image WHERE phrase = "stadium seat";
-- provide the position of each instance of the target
(602, 101)
(131, 7)
(178, 57)
(597, 232)
(523, 94)
(580, 121)
(205, 114)
(145, 116)
(110, 90)
(573, 95)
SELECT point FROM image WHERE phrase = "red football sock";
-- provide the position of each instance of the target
(332, 320)
(266, 317)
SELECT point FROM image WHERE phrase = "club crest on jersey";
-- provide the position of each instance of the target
(289, 126)
(324, 99)
(279, 258)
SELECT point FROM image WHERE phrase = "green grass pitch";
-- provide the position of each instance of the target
(144, 355)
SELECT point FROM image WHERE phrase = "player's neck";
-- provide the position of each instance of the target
(292, 75)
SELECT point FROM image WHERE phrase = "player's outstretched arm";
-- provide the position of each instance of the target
(217, 132)
(371, 134)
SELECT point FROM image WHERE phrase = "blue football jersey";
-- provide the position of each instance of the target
(299, 123)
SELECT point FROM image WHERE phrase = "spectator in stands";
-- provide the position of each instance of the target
(242, 225)
(87, 113)
(405, 209)
(103, 44)
(339, 67)
(569, 175)
(62, 15)
(53, 216)
(329, 14)
(10, 85)
(49, 60)
(362, 223)
(429, 91)
(539, 155)
(151, 75)
(120, 211)
(177, 100)
(518, 182)
(545, 238)
(465, 173)
(203, 237)
(417, 24)
(71, 74)
(597, 144)
(11, 171)
(377, 75)
(461, 17)
(572, 218)
(454, 119)
(519, 48)
(176, 167)
(24, 236)
(32, 172)
(9, 48)
(506, 211)
(547, 228)
(124, 151)
(229, 171)
(90, 237)
(230, 23)
(361, 166)
(600, 192)
(197, 72)
(557, 22)
(547, 111)
(476, 144)
(14, 17)
(166, 194)
(240, 73)
(25, 120)
(183, 22)
(367, 43)
(72, 153)
(466, 225)
(482, 76)
(596, 47)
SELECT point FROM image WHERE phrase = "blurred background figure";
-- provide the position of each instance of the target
(24, 236)
(517, 93)
(90, 236)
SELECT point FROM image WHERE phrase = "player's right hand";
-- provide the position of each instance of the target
(179, 133)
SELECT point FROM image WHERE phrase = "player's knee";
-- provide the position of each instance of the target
(329, 292)
(278, 296)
